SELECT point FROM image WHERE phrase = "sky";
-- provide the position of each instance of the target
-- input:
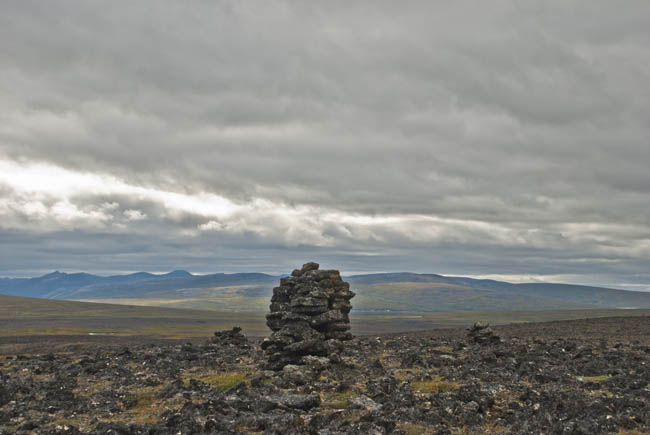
(502, 139)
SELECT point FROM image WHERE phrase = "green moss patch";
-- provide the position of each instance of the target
(436, 385)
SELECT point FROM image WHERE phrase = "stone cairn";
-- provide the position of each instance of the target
(481, 333)
(230, 337)
(309, 317)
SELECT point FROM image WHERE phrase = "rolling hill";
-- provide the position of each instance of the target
(375, 292)
(26, 323)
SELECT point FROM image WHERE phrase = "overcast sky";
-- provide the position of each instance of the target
(507, 139)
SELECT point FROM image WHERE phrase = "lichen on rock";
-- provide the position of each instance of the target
(309, 316)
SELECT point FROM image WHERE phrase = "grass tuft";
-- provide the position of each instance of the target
(336, 400)
(147, 408)
(436, 385)
(593, 378)
(415, 429)
(221, 380)
(488, 429)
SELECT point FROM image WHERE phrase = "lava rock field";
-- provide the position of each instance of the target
(573, 377)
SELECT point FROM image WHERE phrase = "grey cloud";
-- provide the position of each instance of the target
(528, 118)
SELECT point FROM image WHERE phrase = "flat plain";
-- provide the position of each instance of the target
(29, 324)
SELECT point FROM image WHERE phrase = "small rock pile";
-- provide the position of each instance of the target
(230, 337)
(309, 316)
(481, 333)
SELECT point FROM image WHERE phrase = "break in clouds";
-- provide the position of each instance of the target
(507, 139)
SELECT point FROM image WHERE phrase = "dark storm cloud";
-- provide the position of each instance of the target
(505, 139)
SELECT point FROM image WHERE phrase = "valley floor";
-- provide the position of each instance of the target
(581, 377)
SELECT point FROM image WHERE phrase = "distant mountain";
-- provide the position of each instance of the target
(58, 285)
(375, 292)
(430, 292)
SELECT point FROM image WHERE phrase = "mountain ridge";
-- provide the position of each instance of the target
(399, 291)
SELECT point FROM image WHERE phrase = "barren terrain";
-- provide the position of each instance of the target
(583, 376)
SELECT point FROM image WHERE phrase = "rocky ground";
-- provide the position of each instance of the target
(576, 377)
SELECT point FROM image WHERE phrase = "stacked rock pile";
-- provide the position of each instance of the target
(230, 337)
(481, 333)
(309, 316)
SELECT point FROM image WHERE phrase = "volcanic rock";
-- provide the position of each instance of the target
(364, 402)
(297, 375)
(300, 401)
(309, 316)
(574, 377)
(4, 395)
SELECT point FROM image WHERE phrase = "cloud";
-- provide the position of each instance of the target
(134, 215)
(452, 138)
